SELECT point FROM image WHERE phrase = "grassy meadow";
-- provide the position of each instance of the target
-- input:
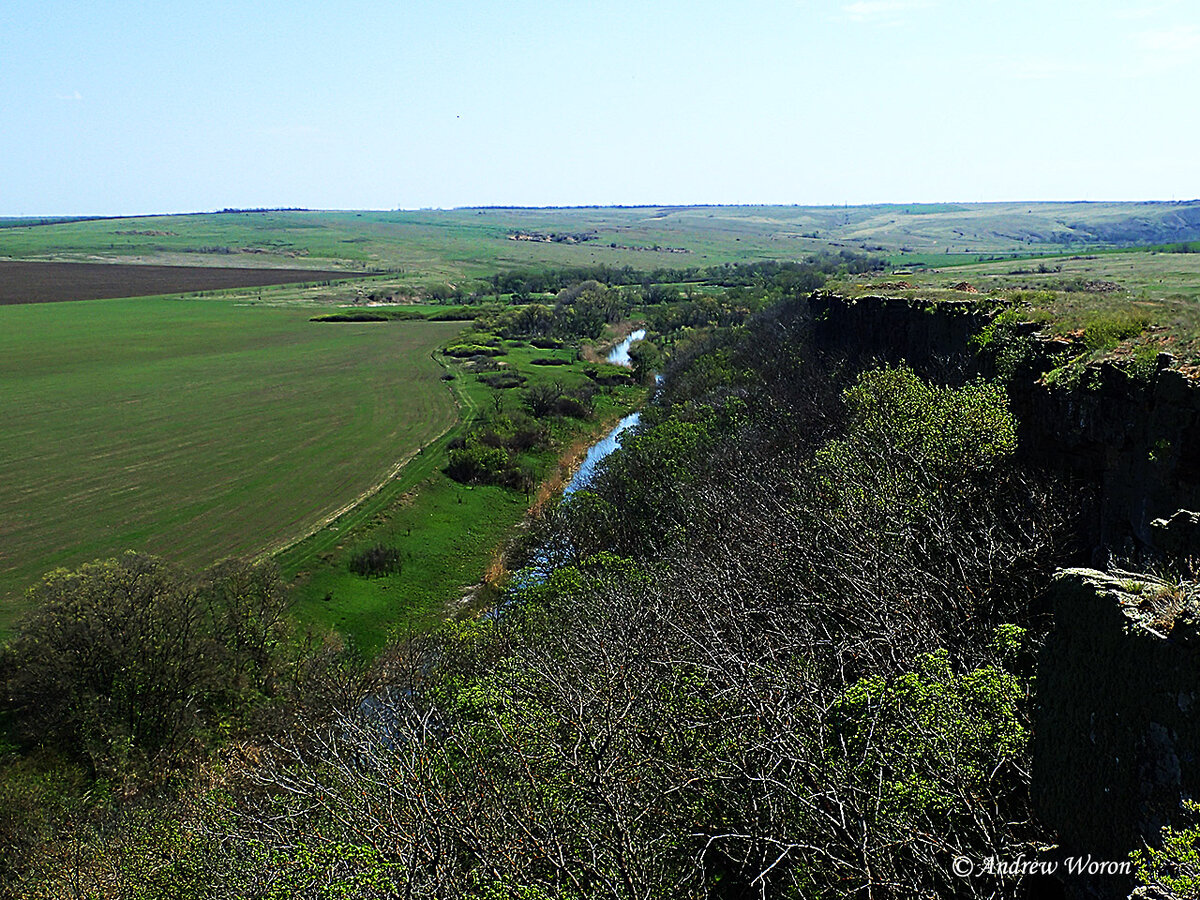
(227, 423)
(431, 246)
(450, 535)
(196, 429)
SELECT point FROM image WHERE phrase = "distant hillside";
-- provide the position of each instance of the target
(1157, 223)
(461, 243)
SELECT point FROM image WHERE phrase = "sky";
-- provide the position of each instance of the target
(117, 108)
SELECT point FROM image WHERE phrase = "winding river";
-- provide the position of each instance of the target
(598, 451)
(619, 355)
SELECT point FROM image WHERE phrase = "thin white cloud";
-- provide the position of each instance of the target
(74, 95)
(882, 11)
(1168, 48)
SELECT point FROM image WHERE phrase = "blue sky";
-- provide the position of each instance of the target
(137, 107)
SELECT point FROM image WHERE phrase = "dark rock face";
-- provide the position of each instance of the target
(1134, 442)
(894, 328)
(1178, 535)
(1118, 723)
(1117, 729)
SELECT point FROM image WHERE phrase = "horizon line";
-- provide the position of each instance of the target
(50, 218)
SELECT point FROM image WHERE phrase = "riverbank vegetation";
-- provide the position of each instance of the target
(780, 646)
(531, 383)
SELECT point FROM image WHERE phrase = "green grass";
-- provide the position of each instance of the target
(448, 246)
(1127, 305)
(1154, 288)
(196, 429)
(948, 260)
(447, 533)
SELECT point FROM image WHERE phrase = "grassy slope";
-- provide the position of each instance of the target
(195, 429)
(1147, 276)
(454, 244)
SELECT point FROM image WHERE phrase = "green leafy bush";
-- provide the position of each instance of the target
(460, 350)
(932, 740)
(477, 463)
(475, 344)
(474, 462)
(1104, 331)
(1175, 866)
(1004, 325)
(129, 658)
(502, 380)
(895, 415)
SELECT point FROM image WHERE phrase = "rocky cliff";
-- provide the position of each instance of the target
(1132, 441)
(1117, 727)
(921, 332)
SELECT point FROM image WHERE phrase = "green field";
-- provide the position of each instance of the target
(448, 533)
(424, 246)
(1148, 276)
(228, 423)
(196, 429)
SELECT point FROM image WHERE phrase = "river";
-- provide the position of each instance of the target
(598, 451)
(619, 355)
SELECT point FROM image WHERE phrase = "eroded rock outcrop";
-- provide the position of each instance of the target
(920, 332)
(1132, 442)
(1117, 729)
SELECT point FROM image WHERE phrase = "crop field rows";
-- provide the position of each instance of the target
(196, 429)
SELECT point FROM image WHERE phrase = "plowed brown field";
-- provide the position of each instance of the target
(48, 282)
